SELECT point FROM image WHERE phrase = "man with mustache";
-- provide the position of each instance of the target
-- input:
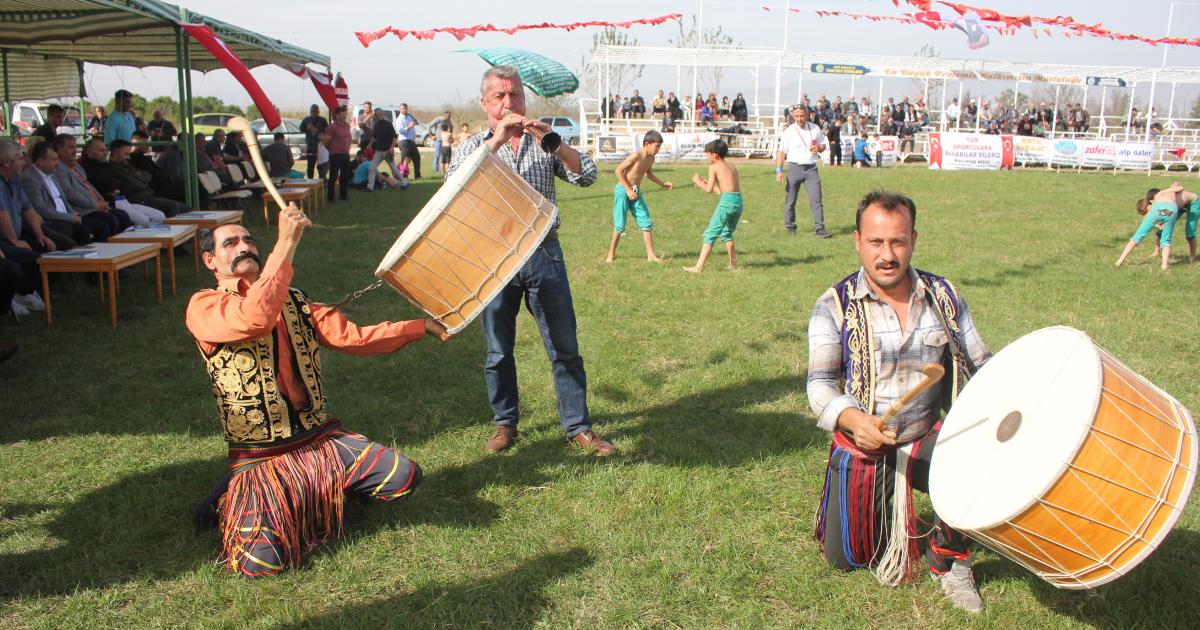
(292, 461)
(869, 338)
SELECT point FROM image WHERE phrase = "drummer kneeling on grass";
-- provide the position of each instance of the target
(291, 459)
(869, 338)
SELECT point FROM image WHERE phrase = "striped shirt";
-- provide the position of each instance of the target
(898, 358)
(533, 165)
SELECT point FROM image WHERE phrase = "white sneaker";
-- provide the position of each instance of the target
(959, 586)
(18, 311)
(33, 301)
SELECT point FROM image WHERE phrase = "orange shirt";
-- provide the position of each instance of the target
(217, 317)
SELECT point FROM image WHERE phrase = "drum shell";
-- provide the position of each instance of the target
(1120, 494)
(474, 236)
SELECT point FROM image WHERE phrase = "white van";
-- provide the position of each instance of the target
(29, 115)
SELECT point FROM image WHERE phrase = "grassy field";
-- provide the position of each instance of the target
(702, 520)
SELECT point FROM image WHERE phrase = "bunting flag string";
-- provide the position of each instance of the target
(461, 33)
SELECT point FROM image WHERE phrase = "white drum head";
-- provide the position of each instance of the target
(1015, 427)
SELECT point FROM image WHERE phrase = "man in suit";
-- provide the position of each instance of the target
(73, 183)
(51, 204)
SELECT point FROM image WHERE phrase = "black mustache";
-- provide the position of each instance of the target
(244, 256)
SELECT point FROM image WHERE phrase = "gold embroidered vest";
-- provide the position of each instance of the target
(251, 407)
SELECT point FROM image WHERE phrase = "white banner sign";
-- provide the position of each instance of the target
(676, 146)
(889, 146)
(969, 151)
(1070, 153)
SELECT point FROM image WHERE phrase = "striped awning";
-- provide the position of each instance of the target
(136, 33)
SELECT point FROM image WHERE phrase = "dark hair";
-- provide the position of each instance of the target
(119, 143)
(40, 150)
(279, 136)
(1143, 206)
(121, 94)
(1150, 194)
(339, 109)
(652, 137)
(718, 148)
(208, 244)
(140, 134)
(60, 140)
(888, 201)
(55, 108)
(199, 135)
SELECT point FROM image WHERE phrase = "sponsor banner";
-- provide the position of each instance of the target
(1063, 152)
(689, 147)
(1029, 150)
(969, 151)
(838, 68)
(1106, 81)
(1134, 155)
(889, 145)
(613, 148)
(1097, 154)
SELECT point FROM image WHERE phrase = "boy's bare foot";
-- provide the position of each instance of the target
(693, 269)
(608, 259)
(733, 268)
(654, 258)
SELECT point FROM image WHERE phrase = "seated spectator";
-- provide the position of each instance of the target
(739, 110)
(723, 108)
(659, 105)
(131, 182)
(668, 123)
(160, 128)
(235, 151)
(861, 156)
(95, 126)
(706, 114)
(54, 119)
(169, 181)
(80, 193)
(139, 155)
(278, 157)
(952, 114)
(204, 164)
(21, 235)
(215, 147)
(689, 111)
(637, 105)
(626, 109)
(1025, 126)
(17, 295)
(362, 172)
(48, 200)
(673, 106)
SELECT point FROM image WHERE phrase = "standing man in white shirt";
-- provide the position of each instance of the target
(800, 147)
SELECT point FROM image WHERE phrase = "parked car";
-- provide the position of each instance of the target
(290, 127)
(565, 127)
(390, 112)
(210, 122)
(29, 115)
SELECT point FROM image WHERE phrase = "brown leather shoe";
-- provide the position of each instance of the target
(502, 439)
(589, 441)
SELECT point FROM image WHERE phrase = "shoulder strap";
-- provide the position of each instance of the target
(952, 338)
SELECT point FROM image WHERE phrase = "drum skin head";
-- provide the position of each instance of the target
(1015, 428)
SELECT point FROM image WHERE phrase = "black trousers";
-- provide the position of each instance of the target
(102, 225)
(10, 280)
(65, 234)
(310, 156)
(340, 174)
(408, 149)
(26, 261)
(835, 153)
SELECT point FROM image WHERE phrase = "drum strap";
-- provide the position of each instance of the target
(354, 295)
(952, 344)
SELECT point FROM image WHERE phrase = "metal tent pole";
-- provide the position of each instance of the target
(1129, 113)
(1054, 118)
(189, 157)
(1171, 105)
(1150, 106)
(8, 122)
(879, 109)
(775, 111)
(961, 106)
(1103, 99)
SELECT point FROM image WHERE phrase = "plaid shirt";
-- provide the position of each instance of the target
(533, 165)
(899, 357)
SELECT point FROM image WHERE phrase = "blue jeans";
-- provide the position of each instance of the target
(543, 283)
(437, 154)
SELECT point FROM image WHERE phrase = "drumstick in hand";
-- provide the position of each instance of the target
(933, 373)
(238, 123)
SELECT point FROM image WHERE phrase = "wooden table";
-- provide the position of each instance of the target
(168, 238)
(314, 186)
(299, 195)
(206, 219)
(109, 258)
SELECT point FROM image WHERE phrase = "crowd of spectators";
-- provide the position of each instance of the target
(904, 119)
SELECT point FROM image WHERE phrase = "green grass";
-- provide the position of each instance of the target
(703, 520)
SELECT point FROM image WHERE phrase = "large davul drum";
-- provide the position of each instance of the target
(468, 241)
(1063, 459)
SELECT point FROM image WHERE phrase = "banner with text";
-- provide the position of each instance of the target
(1071, 153)
(687, 147)
(969, 151)
(884, 148)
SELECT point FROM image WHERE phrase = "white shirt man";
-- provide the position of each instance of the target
(952, 112)
(799, 148)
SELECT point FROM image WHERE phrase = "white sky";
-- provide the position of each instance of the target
(430, 73)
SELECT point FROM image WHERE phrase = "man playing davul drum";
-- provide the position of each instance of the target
(292, 461)
(869, 338)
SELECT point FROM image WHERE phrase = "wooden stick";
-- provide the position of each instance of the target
(239, 123)
(933, 373)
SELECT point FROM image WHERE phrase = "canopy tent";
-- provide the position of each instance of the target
(41, 35)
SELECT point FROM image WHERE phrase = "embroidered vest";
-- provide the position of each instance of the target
(251, 407)
(858, 340)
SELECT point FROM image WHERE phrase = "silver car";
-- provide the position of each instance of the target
(290, 127)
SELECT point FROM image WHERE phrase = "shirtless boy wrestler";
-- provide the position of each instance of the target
(627, 196)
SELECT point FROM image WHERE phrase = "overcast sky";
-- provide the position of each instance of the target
(431, 73)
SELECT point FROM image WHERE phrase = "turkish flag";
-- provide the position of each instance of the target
(324, 84)
(234, 65)
(1007, 154)
(342, 91)
(935, 150)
